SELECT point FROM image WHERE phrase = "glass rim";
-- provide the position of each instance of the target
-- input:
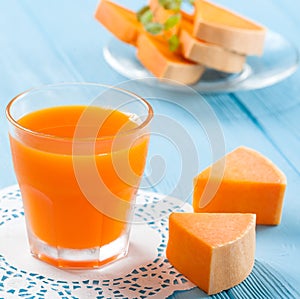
(15, 122)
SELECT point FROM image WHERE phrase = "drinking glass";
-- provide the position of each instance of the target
(79, 152)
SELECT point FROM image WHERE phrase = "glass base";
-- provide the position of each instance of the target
(89, 258)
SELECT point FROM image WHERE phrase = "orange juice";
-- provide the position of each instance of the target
(58, 212)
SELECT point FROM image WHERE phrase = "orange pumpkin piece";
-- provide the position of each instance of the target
(155, 55)
(251, 183)
(208, 54)
(153, 52)
(121, 22)
(161, 15)
(227, 29)
(213, 250)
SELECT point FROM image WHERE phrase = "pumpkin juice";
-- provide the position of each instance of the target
(56, 205)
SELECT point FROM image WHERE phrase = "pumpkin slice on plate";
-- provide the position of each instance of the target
(227, 29)
(155, 55)
(121, 22)
(208, 54)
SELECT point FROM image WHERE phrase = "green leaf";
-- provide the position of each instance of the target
(172, 21)
(147, 17)
(154, 28)
(144, 15)
(173, 42)
(164, 3)
(171, 4)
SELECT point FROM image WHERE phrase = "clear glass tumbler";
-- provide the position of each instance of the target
(79, 152)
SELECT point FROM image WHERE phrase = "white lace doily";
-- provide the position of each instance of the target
(144, 273)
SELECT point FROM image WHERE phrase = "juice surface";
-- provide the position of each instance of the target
(63, 121)
(57, 210)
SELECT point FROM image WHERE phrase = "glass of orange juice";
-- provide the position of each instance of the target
(79, 152)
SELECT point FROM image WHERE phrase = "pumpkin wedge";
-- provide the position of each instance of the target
(227, 29)
(155, 55)
(208, 54)
(213, 250)
(251, 184)
(121, 22)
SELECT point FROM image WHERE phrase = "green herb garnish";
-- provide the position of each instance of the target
(171, 4)
(154, 28)
(173, 42)
(172, 21)
(146, 17)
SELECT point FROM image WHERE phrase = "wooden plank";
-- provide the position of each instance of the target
(74, 37)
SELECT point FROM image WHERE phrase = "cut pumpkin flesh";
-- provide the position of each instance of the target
(120, 21)
(251, 183)
(227, 29)
(213, 250)
(161, 62)
(152, 52)
(208, 54)
(160, 14)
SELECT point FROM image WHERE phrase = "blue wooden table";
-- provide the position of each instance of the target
(43, 42)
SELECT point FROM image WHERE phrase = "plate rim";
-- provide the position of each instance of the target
(235, 85)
